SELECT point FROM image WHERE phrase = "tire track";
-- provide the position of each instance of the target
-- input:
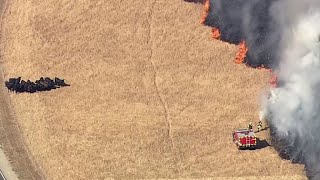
(14, 144)
(155, 77)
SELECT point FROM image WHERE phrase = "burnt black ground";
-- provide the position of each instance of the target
(247, 20)
(195, 1)
(251, 21)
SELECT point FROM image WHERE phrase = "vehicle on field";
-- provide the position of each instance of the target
(244, 138)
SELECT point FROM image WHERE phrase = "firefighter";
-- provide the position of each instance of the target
(250, 126)
(259, 125)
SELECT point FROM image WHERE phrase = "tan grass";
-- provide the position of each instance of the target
(151, 95)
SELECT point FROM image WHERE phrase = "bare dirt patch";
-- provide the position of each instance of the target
(151, 95)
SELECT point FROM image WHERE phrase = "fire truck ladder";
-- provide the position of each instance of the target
(248, 141)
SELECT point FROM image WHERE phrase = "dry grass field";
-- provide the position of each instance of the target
(151, 95)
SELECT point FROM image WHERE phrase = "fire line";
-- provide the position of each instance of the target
(206, 10)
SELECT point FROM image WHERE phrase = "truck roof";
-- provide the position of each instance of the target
(244, 131)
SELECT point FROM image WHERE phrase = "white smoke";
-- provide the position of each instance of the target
(293, 108)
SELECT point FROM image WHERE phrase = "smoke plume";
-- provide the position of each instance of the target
(247, 20)
(293, 110)
(282, 35)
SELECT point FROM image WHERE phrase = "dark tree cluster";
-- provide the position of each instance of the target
(43, 84)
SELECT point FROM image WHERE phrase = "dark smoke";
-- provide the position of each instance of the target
(247, 20)
(284, 36)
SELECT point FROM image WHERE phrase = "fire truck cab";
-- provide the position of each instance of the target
(244, 138)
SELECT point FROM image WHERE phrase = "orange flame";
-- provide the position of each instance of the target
(262, 67)
(216, 33)
(274, 80)
(241, 53)
(243, 49)
(205, 12)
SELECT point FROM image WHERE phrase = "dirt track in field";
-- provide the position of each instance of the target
(14, 154)
(151, 95)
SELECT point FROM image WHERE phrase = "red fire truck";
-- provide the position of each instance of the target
(244, 138)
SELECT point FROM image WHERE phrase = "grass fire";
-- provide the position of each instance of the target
(159, 89)
(283, 36)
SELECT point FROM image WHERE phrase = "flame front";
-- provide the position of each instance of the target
(215, 33)
(241, 53)
(205, 12)
(243, 49)
(274, 80)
